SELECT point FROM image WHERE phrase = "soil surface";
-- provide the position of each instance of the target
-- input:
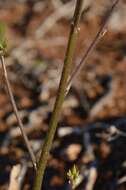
(92, 128)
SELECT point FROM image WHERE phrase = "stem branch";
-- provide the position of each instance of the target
(91, 47)
(33, 158)
(60, 96)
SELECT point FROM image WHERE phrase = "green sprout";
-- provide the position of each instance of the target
(3, 40)
(73, 175)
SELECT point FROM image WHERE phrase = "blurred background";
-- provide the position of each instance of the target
(92, 127)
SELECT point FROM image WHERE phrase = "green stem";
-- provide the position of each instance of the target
(60, 96)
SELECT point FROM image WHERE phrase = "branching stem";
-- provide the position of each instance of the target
(60, 96)
(91, 47)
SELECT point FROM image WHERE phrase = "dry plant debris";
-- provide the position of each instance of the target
(96, 102)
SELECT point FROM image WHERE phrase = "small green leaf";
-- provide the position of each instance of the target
(3, 41)
(73, 176)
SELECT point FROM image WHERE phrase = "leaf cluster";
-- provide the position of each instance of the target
(73, 175)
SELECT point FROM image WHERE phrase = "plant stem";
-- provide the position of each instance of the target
(93, 44)
(60, 96)
(33, 158)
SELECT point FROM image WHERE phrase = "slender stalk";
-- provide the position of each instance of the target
(60, 96)
(17, 113)
(93, 44)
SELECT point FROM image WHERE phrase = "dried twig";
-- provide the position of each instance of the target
(121, 180)
(14, 185)
(57, 4)
(91, 179)
(50, 21)
(17, 176)
(16, 113)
